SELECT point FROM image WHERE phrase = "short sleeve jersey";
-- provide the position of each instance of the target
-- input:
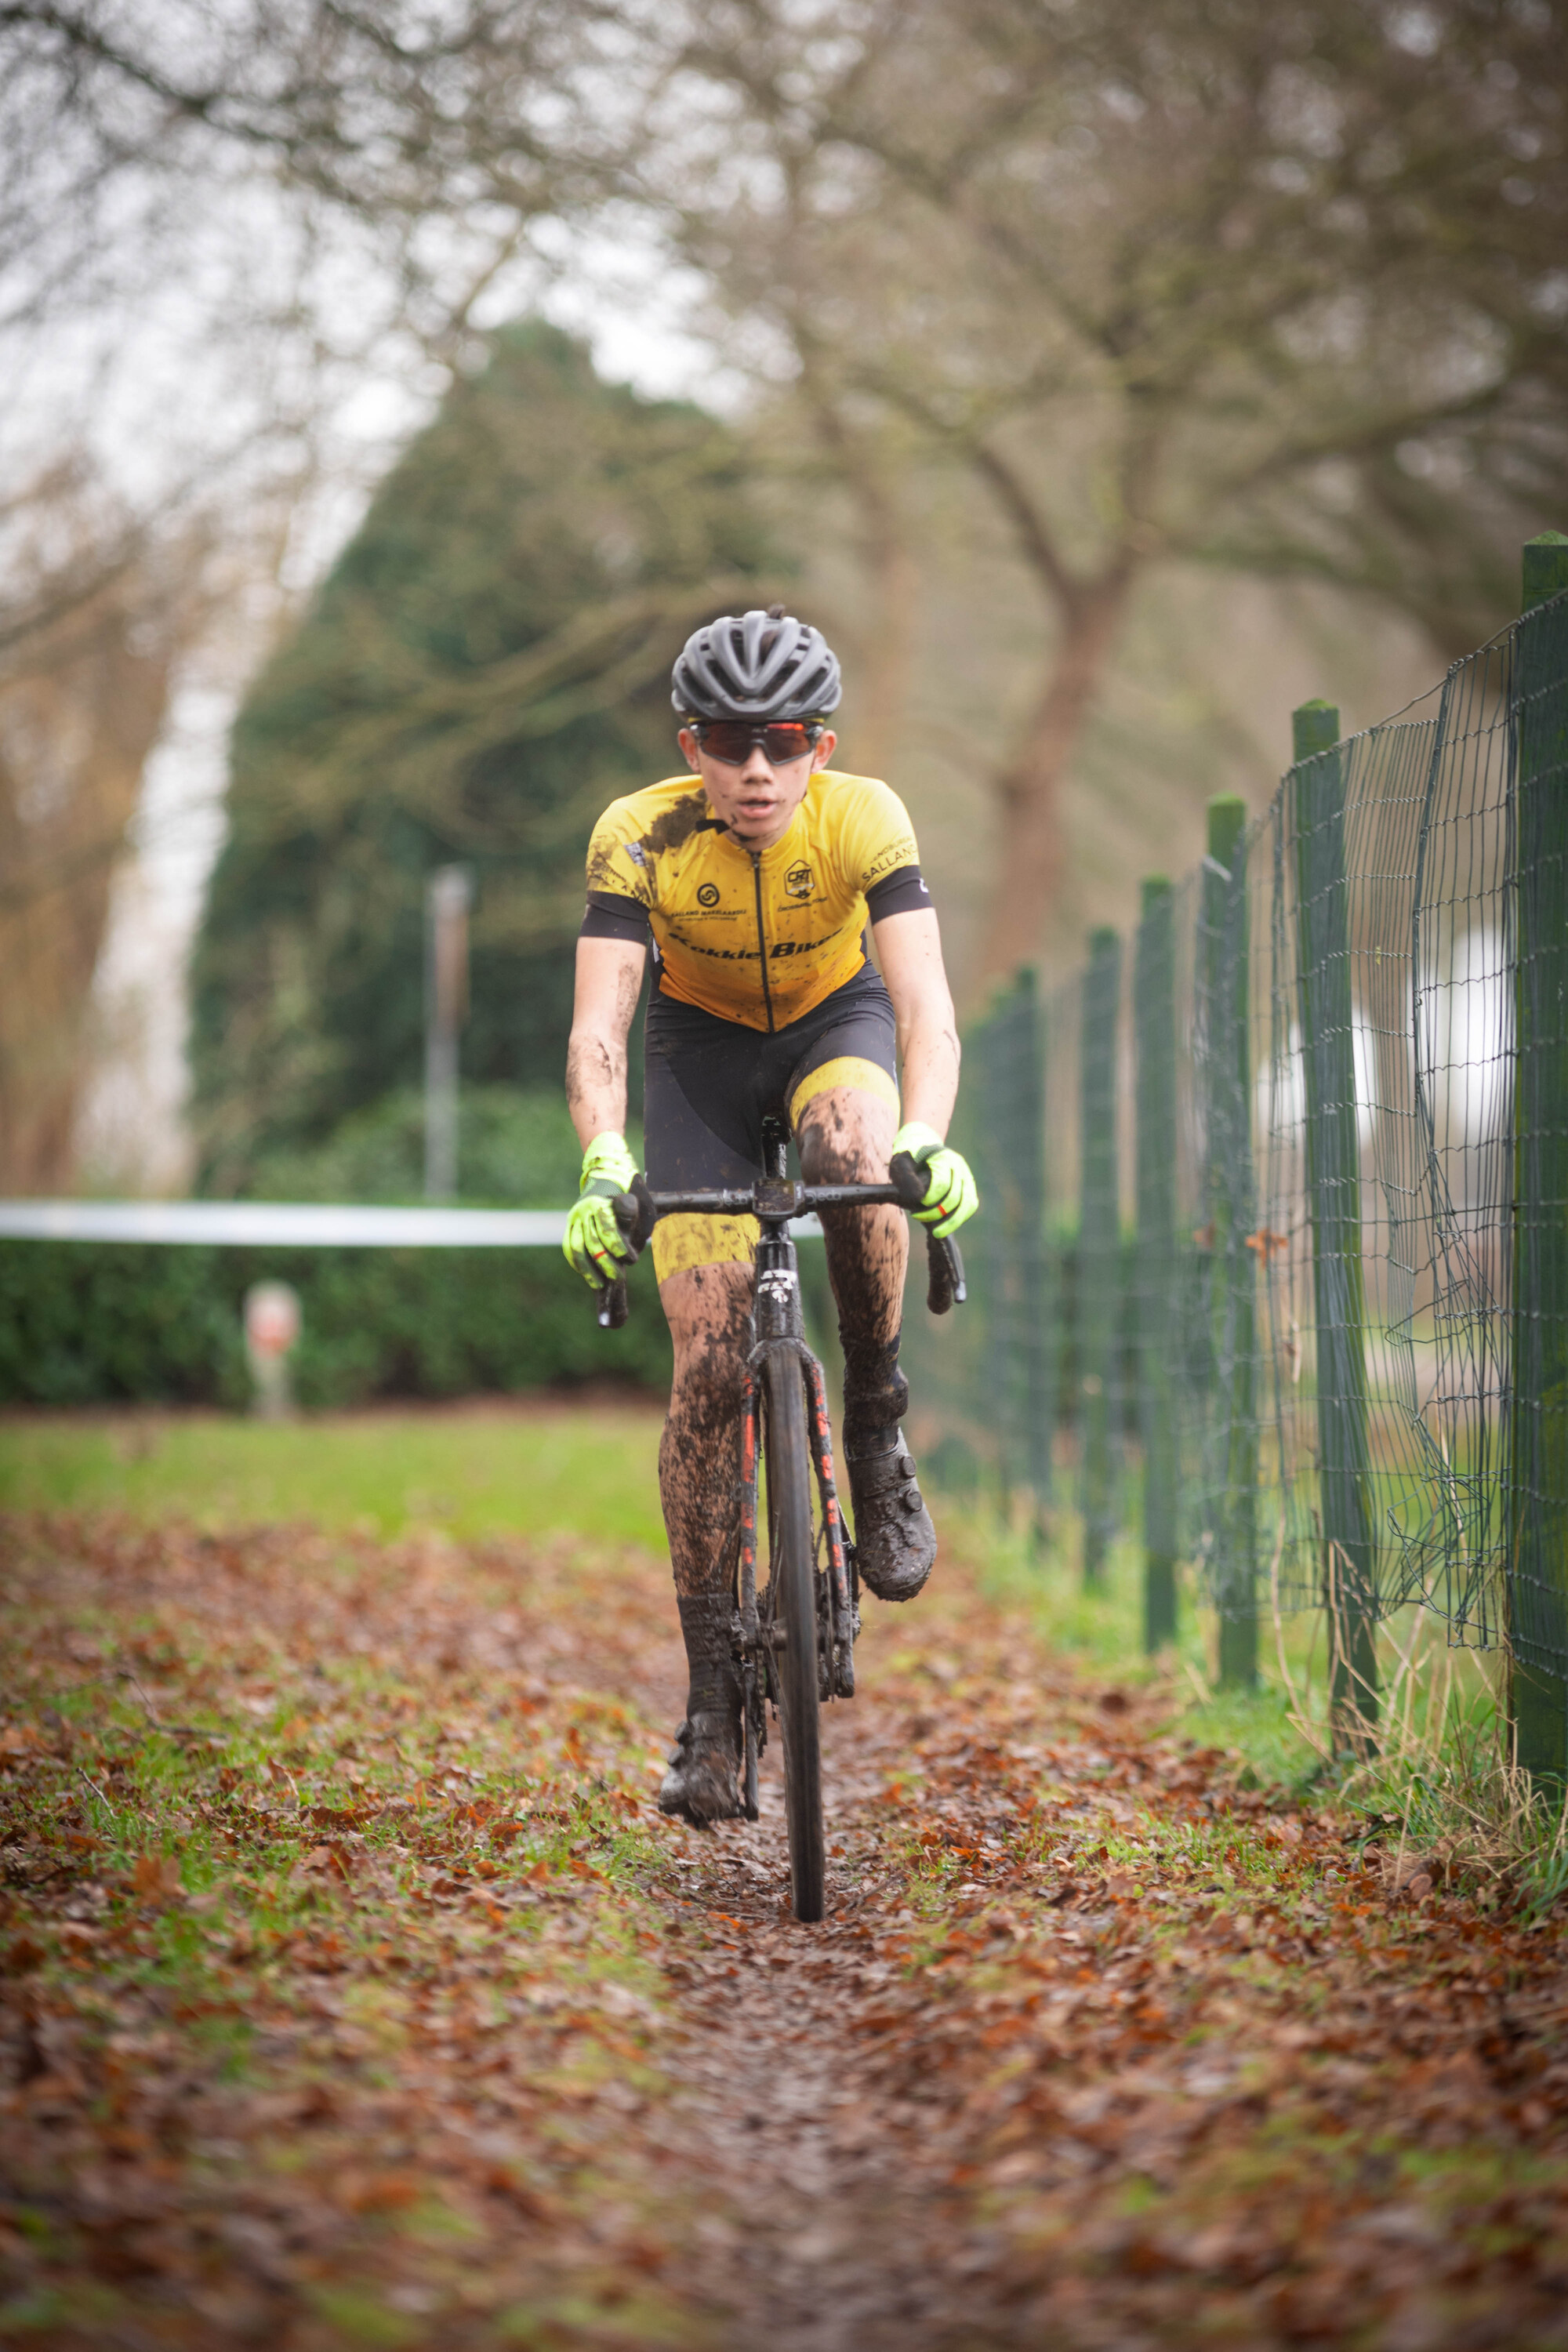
(756, 937)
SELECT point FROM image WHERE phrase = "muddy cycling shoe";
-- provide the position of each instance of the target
(701, 1785)
(895, 1543)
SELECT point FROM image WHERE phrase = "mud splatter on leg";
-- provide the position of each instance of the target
(845, 1137)
(700, 1454)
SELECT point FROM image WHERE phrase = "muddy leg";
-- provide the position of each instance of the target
(699, 1462)
(846, 1136)
(700, 1454)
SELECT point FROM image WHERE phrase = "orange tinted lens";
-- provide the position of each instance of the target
(731, 740)
(786, 742)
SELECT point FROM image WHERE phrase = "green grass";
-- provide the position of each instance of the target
(1438, 1706)
(590, 1471)
(474, 1471)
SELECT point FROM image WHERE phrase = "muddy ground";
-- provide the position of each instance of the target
(355, 1994)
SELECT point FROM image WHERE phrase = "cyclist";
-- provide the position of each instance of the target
(759, 878)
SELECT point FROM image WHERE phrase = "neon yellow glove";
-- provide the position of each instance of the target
(594, 1246)
(950, 1196)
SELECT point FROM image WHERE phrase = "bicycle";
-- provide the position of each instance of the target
(794, 1641)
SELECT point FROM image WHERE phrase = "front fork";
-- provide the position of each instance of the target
(746, 1630)
(836, 1656)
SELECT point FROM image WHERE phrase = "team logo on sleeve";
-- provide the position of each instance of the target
(888, 860)
(799, 882)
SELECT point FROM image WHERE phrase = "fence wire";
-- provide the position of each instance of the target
(1274, 1269)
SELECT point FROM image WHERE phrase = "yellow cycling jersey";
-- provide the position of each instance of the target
(758, 936)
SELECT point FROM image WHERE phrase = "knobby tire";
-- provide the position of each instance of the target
(794, 1588)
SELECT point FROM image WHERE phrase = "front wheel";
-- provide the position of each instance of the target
(791, 1596)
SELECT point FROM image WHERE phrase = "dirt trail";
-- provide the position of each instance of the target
(817, 2241)
(397, 2016)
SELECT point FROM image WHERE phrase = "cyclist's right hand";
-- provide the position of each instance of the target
(596, 1245)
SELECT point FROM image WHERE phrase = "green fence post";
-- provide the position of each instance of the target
(1039, 1352)
(1537, 1502)
(1231, 1203)
(1154, 1092)
(1099, 1246)
(993, 1236)
(1012, 1100)
(1333, 1191)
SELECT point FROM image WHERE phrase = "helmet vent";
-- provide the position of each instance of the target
(757, 665)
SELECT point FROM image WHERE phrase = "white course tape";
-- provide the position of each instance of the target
(325, 1224)
(304, 1224)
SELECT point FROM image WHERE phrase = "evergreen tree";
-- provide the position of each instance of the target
(486, 666)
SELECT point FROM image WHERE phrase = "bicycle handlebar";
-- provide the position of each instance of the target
(774, 1196)
(781, 1198)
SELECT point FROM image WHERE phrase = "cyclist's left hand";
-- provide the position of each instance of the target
(950, 1195)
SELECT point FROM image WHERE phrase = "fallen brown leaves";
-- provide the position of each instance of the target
(323, 2022)
(1213, 2083)
(354, 1993)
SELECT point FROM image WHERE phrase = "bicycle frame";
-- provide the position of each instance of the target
(778, 1328)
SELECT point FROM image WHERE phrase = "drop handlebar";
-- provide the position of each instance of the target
(776, 1199)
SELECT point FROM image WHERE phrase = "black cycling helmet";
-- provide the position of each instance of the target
(760, 666)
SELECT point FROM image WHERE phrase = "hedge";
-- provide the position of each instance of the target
(92, 1323)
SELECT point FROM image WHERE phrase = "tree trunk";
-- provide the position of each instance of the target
(77, 732)
(884, 650)
(1030, 849)
(886, 653)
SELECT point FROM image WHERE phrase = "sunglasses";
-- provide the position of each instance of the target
(731, 740)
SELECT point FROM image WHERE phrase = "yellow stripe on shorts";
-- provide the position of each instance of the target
(848, 1070)
(679, 1242)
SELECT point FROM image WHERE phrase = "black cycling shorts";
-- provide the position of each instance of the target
(709, 1084)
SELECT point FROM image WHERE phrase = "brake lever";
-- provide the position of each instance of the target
(614, 1304)
(944, 1273)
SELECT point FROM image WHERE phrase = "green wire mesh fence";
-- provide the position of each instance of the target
(1273, 1275)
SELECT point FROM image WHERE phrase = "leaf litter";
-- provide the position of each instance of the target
(355, 1991)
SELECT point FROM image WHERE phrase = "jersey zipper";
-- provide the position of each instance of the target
(757, 859)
